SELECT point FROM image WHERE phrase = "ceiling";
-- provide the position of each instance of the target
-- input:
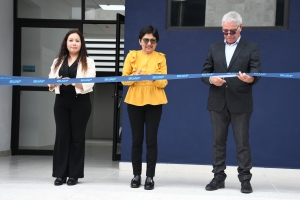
(93, 11)
(94, 3)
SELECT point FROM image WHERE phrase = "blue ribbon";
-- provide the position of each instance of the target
(23, 80)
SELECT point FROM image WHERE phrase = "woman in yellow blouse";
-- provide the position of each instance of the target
(145, 100)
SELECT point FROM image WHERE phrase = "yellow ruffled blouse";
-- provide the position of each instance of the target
(150, 92)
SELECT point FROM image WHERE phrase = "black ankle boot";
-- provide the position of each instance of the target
(136, 181)
(215, 184)
(149, 183)
(59, 181)
(72, 181)
(246, 187)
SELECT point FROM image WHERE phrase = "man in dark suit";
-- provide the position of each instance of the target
(230, 99)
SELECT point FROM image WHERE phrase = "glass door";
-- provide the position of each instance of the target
(33, 127)
(117, 130)
(39, 28)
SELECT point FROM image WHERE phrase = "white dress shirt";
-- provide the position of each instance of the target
(229, 50)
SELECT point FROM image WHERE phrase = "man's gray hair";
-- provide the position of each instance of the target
(232, 16)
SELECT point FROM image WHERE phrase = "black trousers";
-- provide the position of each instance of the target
(139, 116)
(71, 117)
(240, 126)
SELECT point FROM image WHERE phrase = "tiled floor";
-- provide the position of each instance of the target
(29, 177)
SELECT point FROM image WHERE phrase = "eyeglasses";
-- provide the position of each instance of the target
(152, 41)
(230, 32)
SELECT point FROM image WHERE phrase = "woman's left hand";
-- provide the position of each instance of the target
(151, 74)
(66, 78)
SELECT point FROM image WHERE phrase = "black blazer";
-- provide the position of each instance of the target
(235, 93)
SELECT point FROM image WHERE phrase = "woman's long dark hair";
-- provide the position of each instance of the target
(64, 52)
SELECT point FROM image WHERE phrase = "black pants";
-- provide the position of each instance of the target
(71, 117)
(139, 116)
(240, 125)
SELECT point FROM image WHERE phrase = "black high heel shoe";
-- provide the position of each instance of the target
(59, 181)
(72, 181)
(149, 183)
(136, 181)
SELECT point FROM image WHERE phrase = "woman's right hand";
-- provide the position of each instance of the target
(138, 72)
(66, 78)
(54, 85)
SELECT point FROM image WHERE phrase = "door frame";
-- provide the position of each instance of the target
(16, 92)
(19, 23)
(117, 99)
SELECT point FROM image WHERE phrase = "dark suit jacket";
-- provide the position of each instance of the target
(235, 93)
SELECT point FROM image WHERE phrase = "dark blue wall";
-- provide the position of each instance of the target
(185, 130)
